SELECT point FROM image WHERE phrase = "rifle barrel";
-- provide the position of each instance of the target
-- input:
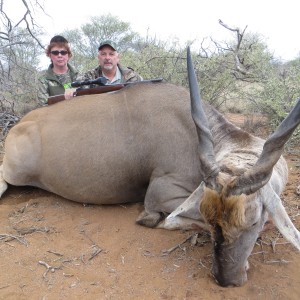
(89, 91)
(98, 90)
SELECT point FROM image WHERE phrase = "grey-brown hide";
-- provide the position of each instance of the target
(141, 144)
(136, 144)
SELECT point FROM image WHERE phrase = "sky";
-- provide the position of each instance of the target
(276, 21)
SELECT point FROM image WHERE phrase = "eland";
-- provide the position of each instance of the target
(160, 144)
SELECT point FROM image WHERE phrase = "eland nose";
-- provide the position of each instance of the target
(231, 279)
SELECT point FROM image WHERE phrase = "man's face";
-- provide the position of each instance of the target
(108, 58)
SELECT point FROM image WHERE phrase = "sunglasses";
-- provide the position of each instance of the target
(56, 52)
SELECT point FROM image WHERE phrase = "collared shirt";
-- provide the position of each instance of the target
(116, 79)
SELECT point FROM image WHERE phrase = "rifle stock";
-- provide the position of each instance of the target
(89, 91)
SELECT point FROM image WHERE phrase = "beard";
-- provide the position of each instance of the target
(108, 67)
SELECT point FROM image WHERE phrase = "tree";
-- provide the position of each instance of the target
(27, 21)
(86, 40)
(232, 74)
(240, 74)
(19, 49)
(154, 58)
(229, 69)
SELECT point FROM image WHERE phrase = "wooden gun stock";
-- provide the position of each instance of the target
(89, 91)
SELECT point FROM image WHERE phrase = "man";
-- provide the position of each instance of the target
(109, 66)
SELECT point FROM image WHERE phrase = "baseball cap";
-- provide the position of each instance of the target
(108, 43)
(58, 39)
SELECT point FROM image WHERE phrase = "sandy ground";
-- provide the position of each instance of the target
(51, 248)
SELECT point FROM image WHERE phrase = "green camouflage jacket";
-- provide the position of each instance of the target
(52, 84)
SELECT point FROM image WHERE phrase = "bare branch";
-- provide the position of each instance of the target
(238, 63)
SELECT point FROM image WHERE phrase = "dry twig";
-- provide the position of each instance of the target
(30, 230)
(280, 261)
(48, 267)
(9, 237)
(191, 238)
(96, 248)
(6, 122)
(56, 253)
(4, 286)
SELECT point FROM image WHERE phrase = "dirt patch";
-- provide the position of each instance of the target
(51, 248)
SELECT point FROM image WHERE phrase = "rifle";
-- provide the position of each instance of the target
(101, 88)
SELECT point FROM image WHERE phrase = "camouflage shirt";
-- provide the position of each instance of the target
(127, 75)
(52, 84)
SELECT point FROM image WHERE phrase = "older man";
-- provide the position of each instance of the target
(109, 66)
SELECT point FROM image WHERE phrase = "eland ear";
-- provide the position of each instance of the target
(280, 217)
(187, 215)
(190, 207)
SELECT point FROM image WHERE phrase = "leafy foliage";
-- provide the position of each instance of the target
(86, 40)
